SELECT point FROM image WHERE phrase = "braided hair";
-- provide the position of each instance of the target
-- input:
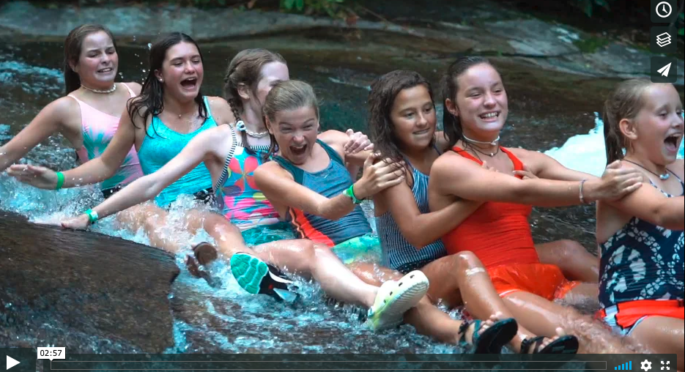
(246, 68)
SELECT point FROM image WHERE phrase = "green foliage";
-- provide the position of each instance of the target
(591, 45)
(330, 7)
(588, 6)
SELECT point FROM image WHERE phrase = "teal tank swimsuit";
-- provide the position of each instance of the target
(163, 144)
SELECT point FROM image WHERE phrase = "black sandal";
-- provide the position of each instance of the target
(562, 345)
(492, 339)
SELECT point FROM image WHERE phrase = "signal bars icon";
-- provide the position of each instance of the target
(624, 367)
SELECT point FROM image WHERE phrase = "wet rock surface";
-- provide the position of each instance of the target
(86, 291)
(446, 27)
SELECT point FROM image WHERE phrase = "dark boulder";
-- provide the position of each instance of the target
(89, 292)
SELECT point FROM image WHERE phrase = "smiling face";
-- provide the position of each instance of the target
(98, 61)
(413, 117)
(481, 102)
(295, 132)
(657, 130)
(182, 71)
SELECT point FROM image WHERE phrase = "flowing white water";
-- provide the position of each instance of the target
(586, 152)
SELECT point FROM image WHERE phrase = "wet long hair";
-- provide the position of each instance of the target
(449, 87)
(246, 68)
(384, 90)
(150, 102)
(624, 103)
(73, 46)
(286, 96)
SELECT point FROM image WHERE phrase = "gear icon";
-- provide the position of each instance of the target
(646, 365)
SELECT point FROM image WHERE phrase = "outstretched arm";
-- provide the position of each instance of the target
(145, 188)
(463, 178)
(544, 166)
(49, 120)
(94, 171)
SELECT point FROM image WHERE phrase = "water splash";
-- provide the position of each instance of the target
(587, 152)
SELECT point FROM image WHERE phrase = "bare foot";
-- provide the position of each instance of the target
(483, 327)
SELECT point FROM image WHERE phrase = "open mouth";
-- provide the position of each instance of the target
(672, 142)
(421, 132)
(189, 83)
(490, 115)
(105, 70)
(298, 150)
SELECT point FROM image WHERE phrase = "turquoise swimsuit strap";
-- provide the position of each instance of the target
(298, 173)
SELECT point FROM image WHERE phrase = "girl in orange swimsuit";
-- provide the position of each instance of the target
(498, 233)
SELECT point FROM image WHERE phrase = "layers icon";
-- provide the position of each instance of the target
(664, 39)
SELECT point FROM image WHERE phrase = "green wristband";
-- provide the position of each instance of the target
(92, 216)
(60, 180)
(350, 193)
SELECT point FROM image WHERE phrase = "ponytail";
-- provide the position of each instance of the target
(624, 103)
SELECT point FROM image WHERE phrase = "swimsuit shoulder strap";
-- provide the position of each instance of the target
(209, 110)
(331, 153)
(518, 164)
(229, 157)
(465, 154)
(130, 91)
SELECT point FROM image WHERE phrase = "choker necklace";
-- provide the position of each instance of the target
(98, 91)
(242, 128)
(493, 143)
(663, 177)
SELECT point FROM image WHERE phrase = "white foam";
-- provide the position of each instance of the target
(586, 152)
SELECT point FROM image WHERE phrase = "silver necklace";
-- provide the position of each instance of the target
(240, 125)
(663, 177)
(99, 91)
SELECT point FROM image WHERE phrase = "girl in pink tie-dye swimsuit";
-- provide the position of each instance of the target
(98, 130)
(88, 116)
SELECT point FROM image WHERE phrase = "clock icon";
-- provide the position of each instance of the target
(664, 9)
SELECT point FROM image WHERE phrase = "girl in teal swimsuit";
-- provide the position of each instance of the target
(167, 114)
(216, 149)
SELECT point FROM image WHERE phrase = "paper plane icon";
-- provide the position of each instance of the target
(665, 70)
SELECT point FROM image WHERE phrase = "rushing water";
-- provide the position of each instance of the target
(30, 81)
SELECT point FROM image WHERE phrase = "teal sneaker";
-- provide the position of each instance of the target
(394, 298)
(257, 277)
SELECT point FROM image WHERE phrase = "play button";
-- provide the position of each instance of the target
(11, 362)
(18, 360)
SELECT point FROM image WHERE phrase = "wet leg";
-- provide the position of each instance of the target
(305, 258)
(663, 336)
(465, 273)
(543, 317)
(573, 259)
(427, 318)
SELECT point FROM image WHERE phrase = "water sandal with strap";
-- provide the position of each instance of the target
(491, 340)
(394, 298)
(562, 345)
(258, 277)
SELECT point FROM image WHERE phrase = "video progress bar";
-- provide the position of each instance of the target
(484, 368)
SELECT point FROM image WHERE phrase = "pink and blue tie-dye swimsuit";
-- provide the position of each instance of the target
(98, 130)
